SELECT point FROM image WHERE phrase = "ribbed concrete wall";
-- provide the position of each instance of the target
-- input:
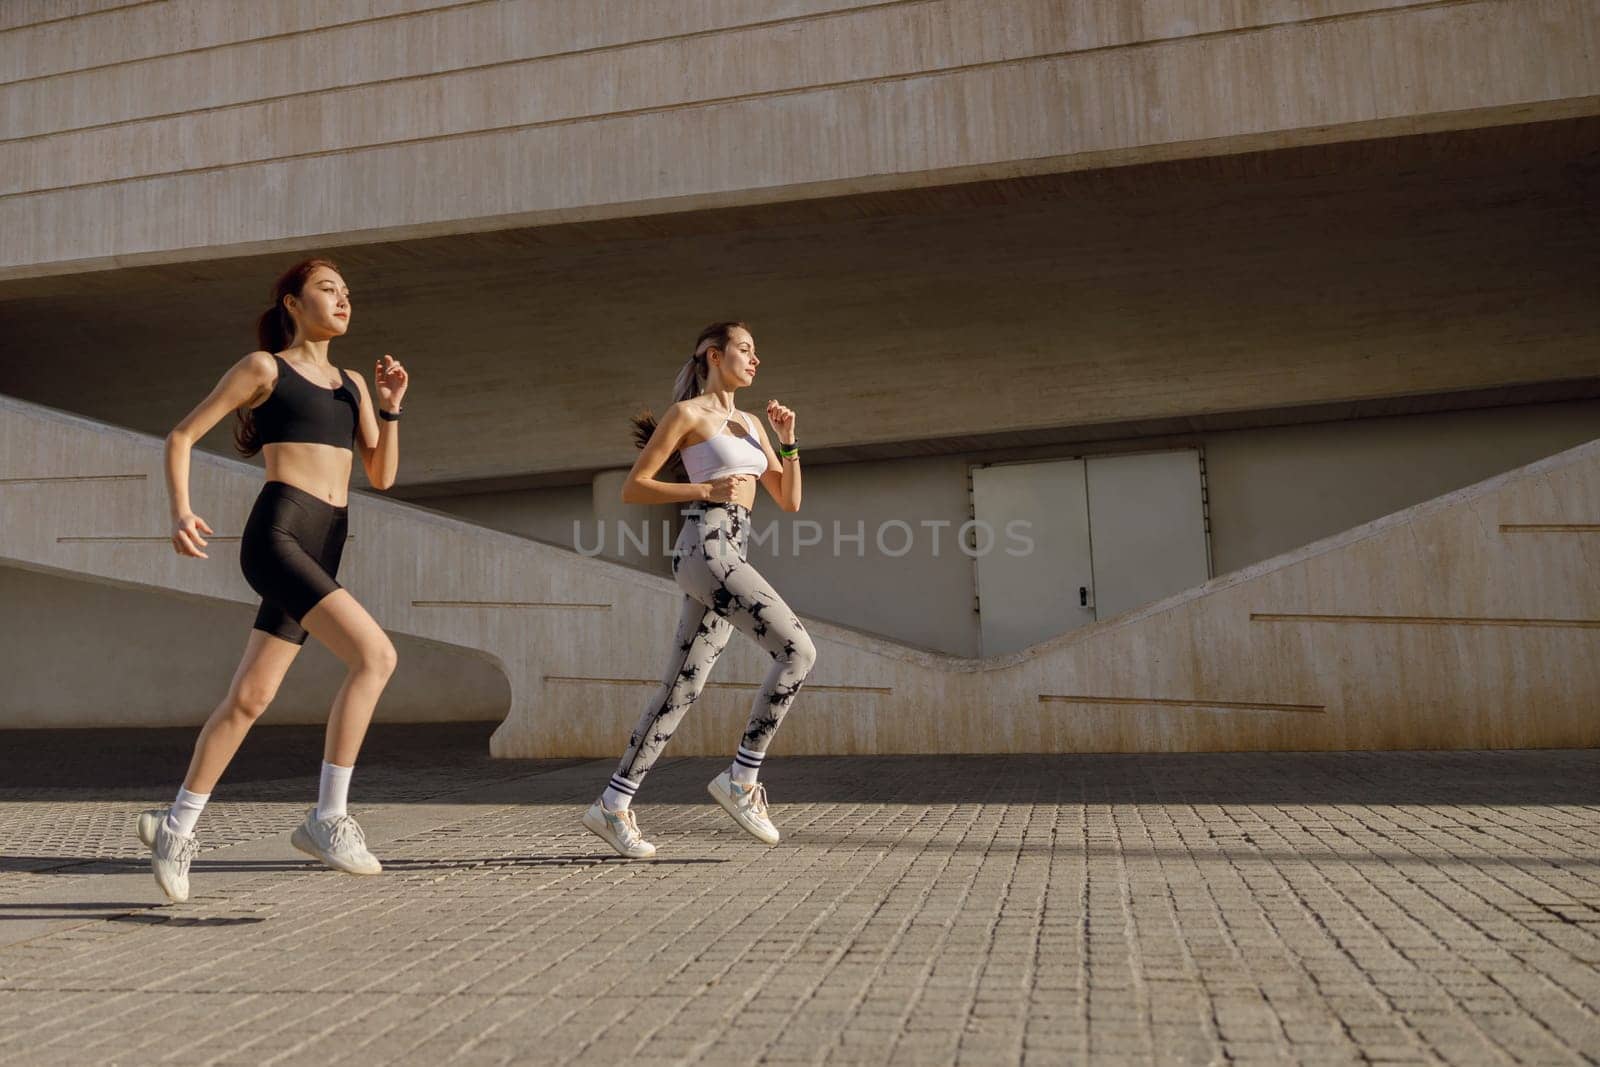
(1471, 621)
(175, 131)
(78, 653)
(1315, 276)
(1270, 491)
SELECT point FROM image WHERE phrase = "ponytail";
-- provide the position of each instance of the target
(275, 331)
(690, 383)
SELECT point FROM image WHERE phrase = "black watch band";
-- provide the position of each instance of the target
(389, 416)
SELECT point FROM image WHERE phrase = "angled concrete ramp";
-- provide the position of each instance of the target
(1470, 621)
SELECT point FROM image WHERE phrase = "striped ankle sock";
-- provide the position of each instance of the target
(619, 794)
(746, 765)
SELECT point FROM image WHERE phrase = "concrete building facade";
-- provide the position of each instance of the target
(1343, 253)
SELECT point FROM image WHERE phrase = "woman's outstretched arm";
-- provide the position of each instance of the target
(244, 381)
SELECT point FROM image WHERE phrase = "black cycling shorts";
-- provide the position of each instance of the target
(289, 553)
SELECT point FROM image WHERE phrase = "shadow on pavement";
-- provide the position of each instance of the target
(97, 865)
(390, 864)
(410, 763)
(152, 918)
(75, 905)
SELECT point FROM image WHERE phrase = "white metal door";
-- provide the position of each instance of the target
(1147, 520)
(1025, 597)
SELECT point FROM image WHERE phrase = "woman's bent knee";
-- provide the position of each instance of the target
(379, 659)
(249, 702)
(800, 653)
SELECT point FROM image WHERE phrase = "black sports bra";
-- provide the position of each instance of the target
(299, 410)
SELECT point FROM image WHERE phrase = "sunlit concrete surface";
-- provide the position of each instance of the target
(1244, 908)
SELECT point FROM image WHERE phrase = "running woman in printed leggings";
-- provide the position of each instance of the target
(309, 419)
(724, 453)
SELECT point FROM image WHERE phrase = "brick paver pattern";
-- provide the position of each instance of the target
(1262, 908)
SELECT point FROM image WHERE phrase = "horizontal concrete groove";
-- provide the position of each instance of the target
(1426, 620)
(427, 65)
(433, 7)
(1550, 527)
(744, 686)
(97, 478)
(53, 20)
(954, 70)
(1043, 21)
(331, 95)
(1180, 702)
(437, 9)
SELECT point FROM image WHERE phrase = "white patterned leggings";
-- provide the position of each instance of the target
(722, 591)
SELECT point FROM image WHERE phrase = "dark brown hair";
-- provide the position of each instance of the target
(690, 383)
(274, 332)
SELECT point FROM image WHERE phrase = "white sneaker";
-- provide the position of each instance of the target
(148, 821)
(338, 842)
(170, 854)
(618, 829)
(747, 804)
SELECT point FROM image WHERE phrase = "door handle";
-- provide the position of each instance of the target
(1083, 596)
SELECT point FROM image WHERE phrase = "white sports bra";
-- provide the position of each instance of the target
(723, 454)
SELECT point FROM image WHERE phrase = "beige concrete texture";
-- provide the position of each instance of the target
(1256, 909)
(1468, 622)
(1270, 490)
(1108, 304)
(1274, 489)
(77, 653)
(548, 515)
(260, 133)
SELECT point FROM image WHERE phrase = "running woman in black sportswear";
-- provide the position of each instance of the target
(309, 419)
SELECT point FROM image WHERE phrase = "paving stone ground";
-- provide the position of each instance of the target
(1263, 908)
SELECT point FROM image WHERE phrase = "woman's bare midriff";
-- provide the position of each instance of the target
(746, 496)
(321, 470)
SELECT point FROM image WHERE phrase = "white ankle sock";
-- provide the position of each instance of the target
(746, 765)
(335, 788)
(618, 795)
(186, 811)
